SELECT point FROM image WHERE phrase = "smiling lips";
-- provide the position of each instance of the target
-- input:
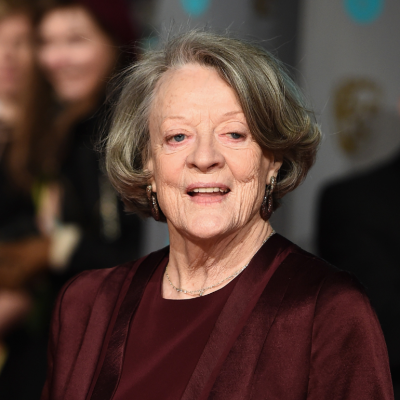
(208, 191)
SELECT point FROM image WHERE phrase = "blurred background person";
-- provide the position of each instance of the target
(23, 251)
(74, 219)
(80, 45)
(22, 118)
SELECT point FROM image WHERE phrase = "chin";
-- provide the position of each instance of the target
(71, 93)
(208, 226)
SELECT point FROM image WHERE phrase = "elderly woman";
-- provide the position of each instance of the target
(209, 133)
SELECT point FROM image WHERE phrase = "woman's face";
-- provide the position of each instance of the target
(75, 53)
(16, 55)
(208, 172)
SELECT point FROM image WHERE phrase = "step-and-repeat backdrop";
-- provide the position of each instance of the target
(349, 67)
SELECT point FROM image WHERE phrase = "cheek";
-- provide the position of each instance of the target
(168, 171)
(83, 58)
(89, 70)
(168, 178)
(249, 166)
(95, 61)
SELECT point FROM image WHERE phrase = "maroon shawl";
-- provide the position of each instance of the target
(294, 328)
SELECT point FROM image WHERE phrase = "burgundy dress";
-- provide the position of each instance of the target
(292, 328)
(165, 341)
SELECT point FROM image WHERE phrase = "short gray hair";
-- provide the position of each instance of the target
(271, 102)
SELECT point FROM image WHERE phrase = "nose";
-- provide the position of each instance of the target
(54, 57)
(205, 155)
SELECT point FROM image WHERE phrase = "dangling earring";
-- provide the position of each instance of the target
(152, 197)
(267, 204)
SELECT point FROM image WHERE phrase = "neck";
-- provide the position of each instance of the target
(197, 263)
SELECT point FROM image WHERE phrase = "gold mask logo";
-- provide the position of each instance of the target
(357, 102)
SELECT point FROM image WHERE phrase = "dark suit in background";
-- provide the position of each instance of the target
(359, 231)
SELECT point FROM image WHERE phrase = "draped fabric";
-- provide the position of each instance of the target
(293, 328)
(166, 338)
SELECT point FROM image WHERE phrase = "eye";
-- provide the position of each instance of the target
(178, 138)
(76, 39)
(235, 135)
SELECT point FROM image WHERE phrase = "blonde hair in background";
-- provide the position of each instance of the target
(271, 102)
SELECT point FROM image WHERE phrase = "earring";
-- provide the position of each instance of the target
(152, 197)
(267, 204)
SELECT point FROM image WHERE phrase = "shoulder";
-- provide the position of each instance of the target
(337, 296)
(338, 307)
(329, 313)
(81, 291)
(346, 341)
(303, 263)
(312, 276)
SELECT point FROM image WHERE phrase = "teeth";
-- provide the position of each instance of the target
(209, 190)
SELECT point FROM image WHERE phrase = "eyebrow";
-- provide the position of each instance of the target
(232, 113)
(227, 114)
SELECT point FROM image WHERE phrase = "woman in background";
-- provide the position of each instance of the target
(77, 215)
(79, 50)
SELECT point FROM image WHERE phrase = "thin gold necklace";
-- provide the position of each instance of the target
(201, 291)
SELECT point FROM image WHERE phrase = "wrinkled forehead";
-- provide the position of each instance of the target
(192, 88)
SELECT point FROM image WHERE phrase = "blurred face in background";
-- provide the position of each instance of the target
(16, 55)
(75, 53)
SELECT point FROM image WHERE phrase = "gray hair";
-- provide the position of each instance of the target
(271, 102)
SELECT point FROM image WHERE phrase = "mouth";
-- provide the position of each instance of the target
(207, 190)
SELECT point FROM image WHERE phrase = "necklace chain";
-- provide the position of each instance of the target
(201, 291)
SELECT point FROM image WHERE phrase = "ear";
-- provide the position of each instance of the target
(275, 165)
(150, 168)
